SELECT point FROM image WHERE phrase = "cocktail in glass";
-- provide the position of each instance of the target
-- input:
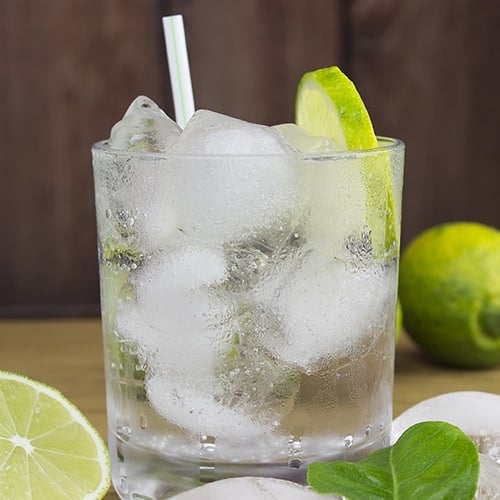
(248, 302)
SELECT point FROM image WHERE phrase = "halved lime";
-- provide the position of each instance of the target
(328, 104)
(48, 449)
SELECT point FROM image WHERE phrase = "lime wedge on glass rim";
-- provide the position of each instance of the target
(48, 449)
(329, 105)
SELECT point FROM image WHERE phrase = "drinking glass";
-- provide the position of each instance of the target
(248, 311)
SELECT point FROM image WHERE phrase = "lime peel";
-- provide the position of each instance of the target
(48, 449)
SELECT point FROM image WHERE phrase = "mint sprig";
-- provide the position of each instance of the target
(431, 460)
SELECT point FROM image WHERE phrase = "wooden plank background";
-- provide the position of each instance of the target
(428, 70)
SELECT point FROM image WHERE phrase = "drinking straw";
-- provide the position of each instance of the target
(178, 63)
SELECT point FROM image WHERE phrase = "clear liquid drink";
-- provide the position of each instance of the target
(248, 307)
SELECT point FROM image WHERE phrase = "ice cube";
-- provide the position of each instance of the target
(134, 329)
(175, 290)
(140, 199)
(178, 305)
(226, 197)
(334, 201)
(135, 192)
(211, 133)
(253, 488)
(322, 308)
(178, 294)
(253, 379)
(250, 260)
(488, 487)
(171, 353)
(144, 127)
(333, 193)
(476, 413)
(196, 408)
(302, 141)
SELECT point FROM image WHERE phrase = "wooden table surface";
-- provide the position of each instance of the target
(67, 354)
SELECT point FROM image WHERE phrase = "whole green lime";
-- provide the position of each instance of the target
(449, 287)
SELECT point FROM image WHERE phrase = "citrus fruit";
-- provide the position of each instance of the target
(328, 104)
(450, 293)
(48, 450)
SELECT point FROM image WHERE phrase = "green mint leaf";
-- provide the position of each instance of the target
(430, 461)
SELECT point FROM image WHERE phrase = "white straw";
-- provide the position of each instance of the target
(178, 63)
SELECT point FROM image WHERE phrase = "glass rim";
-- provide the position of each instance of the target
(387, 144)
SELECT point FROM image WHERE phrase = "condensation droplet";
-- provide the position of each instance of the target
(123, 432)
(294, 463)
(124, 485)
(294, 446)
(348, 441)
(207, 444)
(120, 455)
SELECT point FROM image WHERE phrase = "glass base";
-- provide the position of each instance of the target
(142, 474)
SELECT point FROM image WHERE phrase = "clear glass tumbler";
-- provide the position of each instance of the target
(248, 309)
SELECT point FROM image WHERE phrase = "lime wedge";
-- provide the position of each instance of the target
(48, 449)
(328, 104)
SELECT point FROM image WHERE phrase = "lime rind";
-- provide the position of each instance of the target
(13, 387)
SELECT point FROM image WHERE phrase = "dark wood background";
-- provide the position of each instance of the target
(428, 71)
